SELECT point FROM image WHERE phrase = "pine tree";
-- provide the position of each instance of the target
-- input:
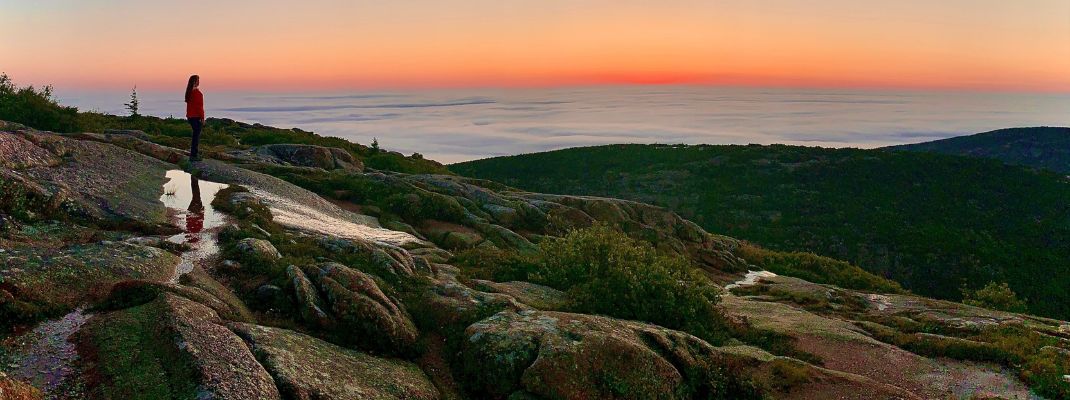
(375, 145)
(134, 104)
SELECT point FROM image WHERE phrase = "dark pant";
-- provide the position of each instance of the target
(196, 124)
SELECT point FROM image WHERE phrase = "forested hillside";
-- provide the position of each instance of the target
(1043, 147)
(934, 223)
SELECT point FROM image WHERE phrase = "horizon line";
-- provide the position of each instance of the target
(593, 84)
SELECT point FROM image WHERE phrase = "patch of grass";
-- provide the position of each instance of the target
(787, 374)
(494, 264)
(773, 342)
(132, 357)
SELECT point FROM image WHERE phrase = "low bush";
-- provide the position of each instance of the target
(995, 296)
(35, 107)
(603, 271)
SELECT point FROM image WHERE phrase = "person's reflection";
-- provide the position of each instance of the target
(195, 212)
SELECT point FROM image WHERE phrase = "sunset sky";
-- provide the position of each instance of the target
(1020, 45)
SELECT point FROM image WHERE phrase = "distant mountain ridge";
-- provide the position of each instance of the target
(1036, 147)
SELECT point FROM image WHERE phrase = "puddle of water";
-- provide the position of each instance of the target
(298, 216)
(751, 278)
(44, 356)
(190, 202)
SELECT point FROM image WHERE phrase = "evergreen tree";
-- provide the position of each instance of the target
(134, 104)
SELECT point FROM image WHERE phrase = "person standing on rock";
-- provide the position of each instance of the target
(194, 113)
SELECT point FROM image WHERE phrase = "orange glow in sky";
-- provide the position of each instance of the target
(1021, 45)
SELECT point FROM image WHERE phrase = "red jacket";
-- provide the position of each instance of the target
(195, 105)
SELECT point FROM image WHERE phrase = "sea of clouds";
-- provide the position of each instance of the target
(458, 125)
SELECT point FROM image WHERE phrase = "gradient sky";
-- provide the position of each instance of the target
(1018, 45)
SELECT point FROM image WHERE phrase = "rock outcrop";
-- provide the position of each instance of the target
(299, 155)
(360, 308)
(383, 314)
(308, 368)
(171, 347)
(574, 356)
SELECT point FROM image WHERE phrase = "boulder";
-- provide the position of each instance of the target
(459, 240)
(328, 158)
(308, 368)
(132, 293)
(538, 296)
(309, 304)
(258, 249)
(450, 304)
(370, 318)
(565, 356)
(501, 214)
(381, 258)
(555, 355)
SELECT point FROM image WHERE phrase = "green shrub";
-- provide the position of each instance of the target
(35, 107)
(605, 272)
(995, 296)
